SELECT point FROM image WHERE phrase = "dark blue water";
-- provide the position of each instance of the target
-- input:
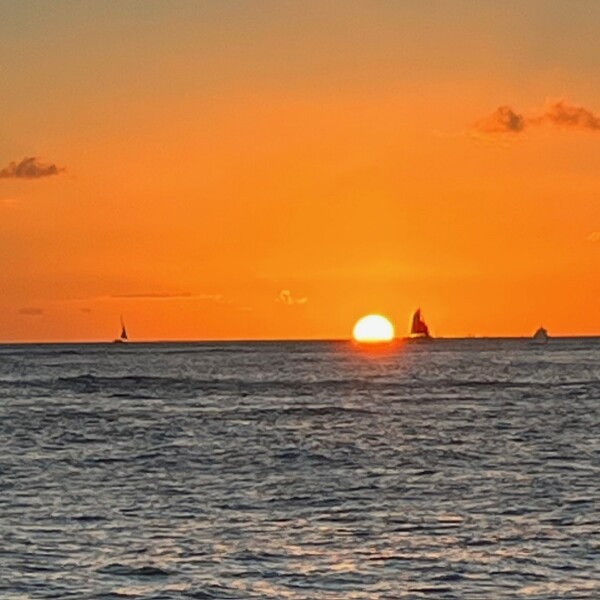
(456, 469)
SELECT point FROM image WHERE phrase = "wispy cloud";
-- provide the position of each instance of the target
(503, 120)
(569, 116)
(286, 297)
(30, 168)
(152, 295)
(31, 311)
(167, 296)
(555, 112)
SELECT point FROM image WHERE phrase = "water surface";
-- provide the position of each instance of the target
(456, 469)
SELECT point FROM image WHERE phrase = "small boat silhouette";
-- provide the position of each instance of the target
(418, 328)
(122, 339)
(541, 336)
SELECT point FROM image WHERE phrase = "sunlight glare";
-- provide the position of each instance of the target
(373, 328)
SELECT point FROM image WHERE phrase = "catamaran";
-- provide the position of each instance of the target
(123, 337)
(541, 336)
(418, 328)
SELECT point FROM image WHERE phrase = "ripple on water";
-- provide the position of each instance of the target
(465, 469)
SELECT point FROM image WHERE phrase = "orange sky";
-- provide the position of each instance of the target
(348, 154)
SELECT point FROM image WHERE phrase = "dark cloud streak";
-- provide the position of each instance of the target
(503, 120)
(562, 114)
(31, 311)
(558, 113)
(29, 168)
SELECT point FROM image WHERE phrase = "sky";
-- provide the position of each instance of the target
(276, 170)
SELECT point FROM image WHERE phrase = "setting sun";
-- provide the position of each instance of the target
(373, 328)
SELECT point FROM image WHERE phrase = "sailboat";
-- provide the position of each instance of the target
(541, 336)
(123, 337)
(418, 328)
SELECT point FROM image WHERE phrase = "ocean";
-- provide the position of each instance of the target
(300, 470)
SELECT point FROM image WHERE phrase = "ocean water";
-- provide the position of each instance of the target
(456, 469)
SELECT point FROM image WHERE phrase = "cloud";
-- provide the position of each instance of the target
(570, 116)
(32, 311)
(168, 296)
(594, 237)
(555, 112)
(285, 297)
(153, 295)
(29, 168)
(503, 120)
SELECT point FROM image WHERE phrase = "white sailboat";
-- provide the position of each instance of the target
(418, 327)
(123, 338)
(541, 336)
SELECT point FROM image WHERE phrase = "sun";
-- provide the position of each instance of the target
(372, 329)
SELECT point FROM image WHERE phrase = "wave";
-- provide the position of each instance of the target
(123, 570)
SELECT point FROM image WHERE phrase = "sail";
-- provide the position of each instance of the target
(419, 327)
(123, 330)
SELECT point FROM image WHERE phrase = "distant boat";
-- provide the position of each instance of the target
(123, 337)
(541, 336)
(418, 328)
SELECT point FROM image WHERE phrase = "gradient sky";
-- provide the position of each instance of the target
(238, 170)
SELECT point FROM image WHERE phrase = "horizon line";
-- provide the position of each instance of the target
(283, 340)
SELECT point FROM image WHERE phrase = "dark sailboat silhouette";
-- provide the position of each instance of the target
(123, 337)
(540, 336)
(419, 329)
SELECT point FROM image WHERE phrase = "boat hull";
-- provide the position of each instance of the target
(418, 338)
